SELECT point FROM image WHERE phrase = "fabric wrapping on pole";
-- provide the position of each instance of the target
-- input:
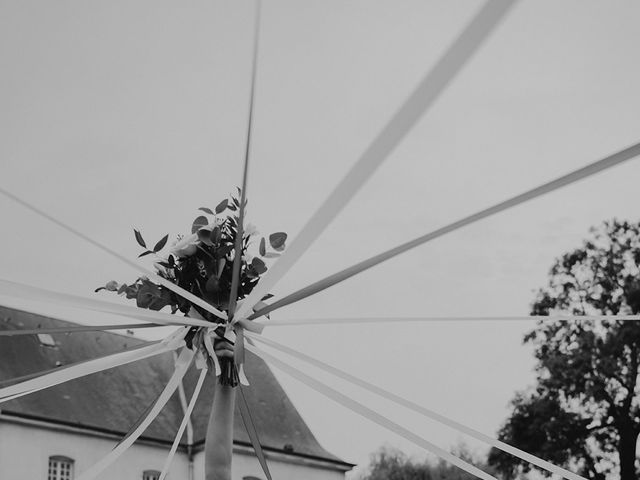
(183, 425)
(366, 412)
(250, 426)
(14, 289)
(81, 369)
(300, 322)
(591, 169)
(424, 411)
(427, 91)
(152, 276)
(184, 360)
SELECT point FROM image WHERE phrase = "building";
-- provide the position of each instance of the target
(61, 431)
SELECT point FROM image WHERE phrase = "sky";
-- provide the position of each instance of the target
(132, 114)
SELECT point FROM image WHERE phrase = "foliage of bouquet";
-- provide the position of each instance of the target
(202, 263)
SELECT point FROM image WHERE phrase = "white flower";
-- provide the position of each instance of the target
(250, 229)
(185, 247)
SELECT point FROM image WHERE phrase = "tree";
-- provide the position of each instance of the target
(584, 412)
(391, 464)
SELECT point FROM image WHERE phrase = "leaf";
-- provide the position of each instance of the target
(232, 207)
(206, 210)
(277, 240)
(216, 235)
(132, 291)
(205, 237)
(143, 254)
(222, 206)
(263, 248)
(160, 245)
(198, 223)
(212, 284)
(122, 288)
(258, 265)
(139, 239)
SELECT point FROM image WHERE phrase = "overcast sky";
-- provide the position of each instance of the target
(126, 114)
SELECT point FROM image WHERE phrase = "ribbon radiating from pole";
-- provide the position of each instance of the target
(366, 412)
(28, 292)
(584, 172)
(23, 378)
(238, 351)
(184, 423)
(252, 432)
(431, 86)
(422, 410)
(152, 276)
(81, 369)
(78, 329)
(301, 322)
(182, 364)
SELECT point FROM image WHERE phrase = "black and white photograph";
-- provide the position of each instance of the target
(319, 240)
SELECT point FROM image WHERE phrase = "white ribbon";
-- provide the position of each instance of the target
(326, 282)
(422, 410)
(242, 377)
(13, 289)
(208, 344)
(65, 374)
(62, 375)
(369, 414)
(183, 425)
(182, 364)
(293, 322)
(428, 90)
(152, 276)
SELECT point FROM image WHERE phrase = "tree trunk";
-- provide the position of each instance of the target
(627, 452)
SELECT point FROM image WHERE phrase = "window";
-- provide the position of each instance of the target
(60, 468)
(151, 475)
(46, 340)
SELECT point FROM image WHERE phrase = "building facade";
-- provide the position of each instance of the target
(59, 432)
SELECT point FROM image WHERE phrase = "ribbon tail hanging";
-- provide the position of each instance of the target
(184, 360)
(250, 426)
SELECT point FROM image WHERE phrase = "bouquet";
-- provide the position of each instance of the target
(202, 263)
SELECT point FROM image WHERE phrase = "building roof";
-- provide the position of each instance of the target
(113, 400)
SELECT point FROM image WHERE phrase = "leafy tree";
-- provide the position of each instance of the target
(584, 412)
(391, 464)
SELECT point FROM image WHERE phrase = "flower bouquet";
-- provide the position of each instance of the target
(202, 264)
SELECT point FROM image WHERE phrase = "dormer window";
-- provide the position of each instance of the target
(151, 475)
(60, 468)
(46, 340)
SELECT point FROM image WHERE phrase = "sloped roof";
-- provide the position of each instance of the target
(112, 401)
